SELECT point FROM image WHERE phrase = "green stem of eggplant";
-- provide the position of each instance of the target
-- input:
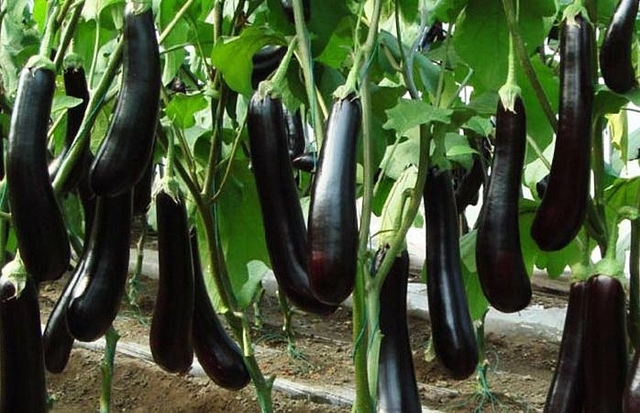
(306, 63)
(46, 45)
(218, 268)
(134, 280)
(172, 24)
(106, 368)
(93, 108)
(363, 403)
(67, 34)
(364, 327)
(526, 65)
(287, 326)
(510, 91)
(414, 202)
(596, 207)
(217, 115)
(634, 285)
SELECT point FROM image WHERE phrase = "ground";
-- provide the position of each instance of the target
(520, 369)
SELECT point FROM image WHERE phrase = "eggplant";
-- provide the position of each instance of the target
(617, 49)
(566, 392)
(35, 214)
(605, 345)
(170, 337)
(564, 205)
(126, 150)
(220, 356)
(22, 379)
(503, 277)
(397, 387)
(452, 329)
(332, 223)
(104, 266)
(284, 227)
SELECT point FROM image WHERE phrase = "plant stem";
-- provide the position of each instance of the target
(67, 34)
(94, 58)
(93, 107)
(46, 44)
(167, 30)
(106, 368)
(134, 280)
(363, 402)
(306, 63)
(526, 65)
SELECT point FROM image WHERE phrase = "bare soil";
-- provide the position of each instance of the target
(519, 369)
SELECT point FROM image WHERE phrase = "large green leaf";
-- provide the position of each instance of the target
(538, 126)
(232, 56)
(410, 113)
(172, 60)
(241, 228)
(481, 37)
(182, 108)
(476, 300)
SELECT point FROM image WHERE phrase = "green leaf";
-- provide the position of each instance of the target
(395, 206)
(326, 15)
(256, 271)
(339, 46)
(396, 159)
(619, 132)
(93, 8)
(554, 262)
(538, 126)
(475, 297)
(178, 36)
(634, 145)
(64, 102)
(605, 101)
(446, 10)
(480, 125)
(232, 56)
(240, 221)
(481, 38)
(182, 108)
(409, 113)
(623, 193)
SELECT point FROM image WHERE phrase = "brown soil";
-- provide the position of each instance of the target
(519, 369)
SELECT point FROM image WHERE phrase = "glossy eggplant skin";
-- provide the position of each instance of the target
(397, 388)
(36, 216)
(467, 187)
(503, 277)
(56, 339)
(332, 224)
(631, 395)
(294, 131)
(98, 292)
(605, 345)
(219, 356)
(616, 62)
(171, 334)
(566, 393)
(284, 228)
(563, 208)
(306, 162)
(265, 62)
(452, 330)
(22, 379)
(142, 191)
(127, 148)
(75, 84)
